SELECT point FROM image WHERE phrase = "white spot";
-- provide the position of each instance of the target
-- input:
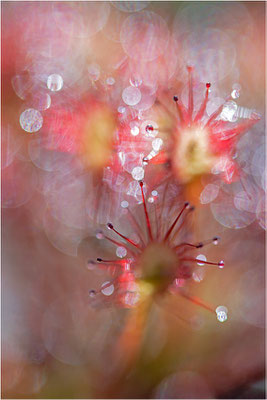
(31, 120)
(121, 252)
(154, 193)
(91, 265)
(135, 130)
(124, 204)
(131, 96)
(54, 82)
(138, 173)
(107, 289)
(92, 293)
(235, 94)
(99, 235)
(201, 257)
(157, 143)
(110, 81)
(121, 109)
(135, 81)
(221, 312)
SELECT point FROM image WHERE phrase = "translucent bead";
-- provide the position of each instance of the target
(138, 173)
(92, 293)
(221, 312)
(201, 257)
(31, 120)
(121, 252)
(55, 82)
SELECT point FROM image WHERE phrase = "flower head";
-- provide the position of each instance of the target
(159, 261)
(202, 143)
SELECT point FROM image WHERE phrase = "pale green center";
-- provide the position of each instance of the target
(158, 264)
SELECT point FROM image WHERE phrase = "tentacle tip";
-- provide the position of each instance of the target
(92, 293)
(221, 264)
(141, 183)
(99, 259)
(149, 128)
(175, 98)
(189, 68)
(187, 204)
(199, 245)
(208, 85)
(215, 240)
(109, 225)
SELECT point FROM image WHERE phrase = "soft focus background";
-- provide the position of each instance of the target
(56, 57)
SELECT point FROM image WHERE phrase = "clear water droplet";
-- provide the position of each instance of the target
(138, 173)
(55, 82)
(131, 96)
(31, 120)
(201, 257)
(121, 252)
(107, 289)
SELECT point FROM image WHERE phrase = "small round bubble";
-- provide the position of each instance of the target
(121, 109)
(131, 96)
(138, 173)
(99, 235)
(135, 130)
(31, 120)
(221, 312)
(55, 82)
(201, 257)
(107, 288)
(121, 252)
(135, 81)
(124, 204)
(235, 94)
(110, 81)
(91, 265)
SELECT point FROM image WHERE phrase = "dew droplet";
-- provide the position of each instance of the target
(110, 81)
(91, 265)
(107, 289)
(215, 240)
(221, 312)
(131, 96)
(135, 81)
(121, 252)
(31, 120)
(121, 109)
(99, 235)
(221, 264)
(124, 204)
(92, 293)
(55, 82)
(235, 94)
(138, 173)
(201, 257)
(135, 130)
